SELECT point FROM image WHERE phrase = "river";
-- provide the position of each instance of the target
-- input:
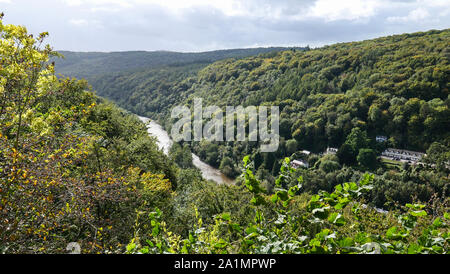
(164, 142)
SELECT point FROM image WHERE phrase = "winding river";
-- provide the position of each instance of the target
(164, 142)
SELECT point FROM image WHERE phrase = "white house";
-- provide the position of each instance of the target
(331, 150)
(299, 163)
(381, 139)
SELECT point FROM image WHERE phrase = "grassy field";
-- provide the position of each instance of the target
(391, 164)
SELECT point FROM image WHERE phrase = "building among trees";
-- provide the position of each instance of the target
(401, 154)
(381, 139)
(331, 150)
(299, 163)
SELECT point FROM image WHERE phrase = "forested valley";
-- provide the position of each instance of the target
(341, 96)
(77, 168)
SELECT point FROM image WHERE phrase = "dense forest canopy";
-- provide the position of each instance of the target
(75, 168)
(395, 86)
(341, 96)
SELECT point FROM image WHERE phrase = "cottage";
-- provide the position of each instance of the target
(299, 163)
(331, 150)
(381, 139)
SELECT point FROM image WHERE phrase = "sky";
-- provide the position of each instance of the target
(204, 25)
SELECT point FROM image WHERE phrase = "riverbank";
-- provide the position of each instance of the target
(165, 142)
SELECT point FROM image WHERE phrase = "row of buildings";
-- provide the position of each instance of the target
(402, 155)
(390, 153)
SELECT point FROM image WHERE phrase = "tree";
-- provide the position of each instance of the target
(291, 146)
(329, 163)
(181, 155)
(346, 155)
(227, 167)
(72, 167)
(367, 158)
(25, 71)
(356, 140)
(439, 155)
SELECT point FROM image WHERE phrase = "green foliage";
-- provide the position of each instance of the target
(367, 158)
(356, 140)
(322, 226)
(73, 168)
(291, 146)
(342, 96)
(439, 155)
(181, 155)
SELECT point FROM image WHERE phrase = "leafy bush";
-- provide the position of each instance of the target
(321, 226)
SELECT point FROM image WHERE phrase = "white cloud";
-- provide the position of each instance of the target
(248, 8)
(418, 14)
(332, 10)
(228, 7)
(79, 22)
(92, 23)
(195, 25)
(105, 9)
(5, 1)
(121, 3)
(413, 16)
(434, 3)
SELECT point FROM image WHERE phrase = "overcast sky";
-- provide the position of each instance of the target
(201, 25)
